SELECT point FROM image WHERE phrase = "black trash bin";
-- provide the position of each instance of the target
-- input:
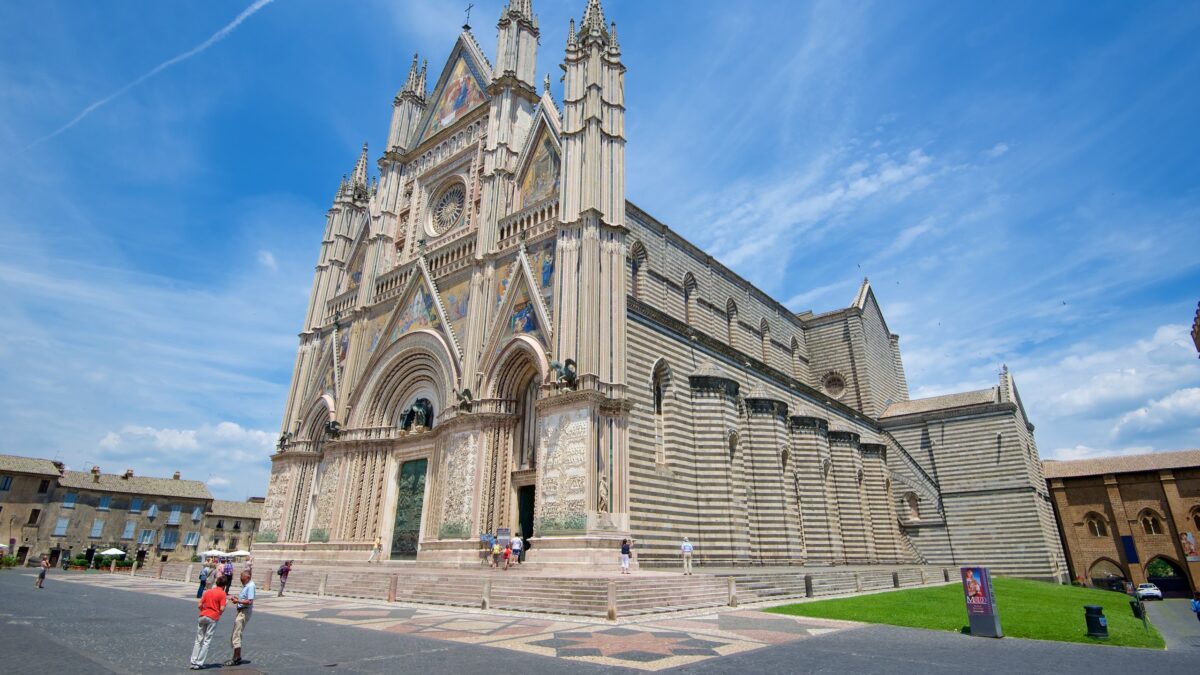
(1139, 609)
(1097, 624)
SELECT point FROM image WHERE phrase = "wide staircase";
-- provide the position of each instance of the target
(593, 596)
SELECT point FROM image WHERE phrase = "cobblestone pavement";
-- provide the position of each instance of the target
(650, 644)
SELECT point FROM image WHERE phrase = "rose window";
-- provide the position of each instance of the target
(449, 207)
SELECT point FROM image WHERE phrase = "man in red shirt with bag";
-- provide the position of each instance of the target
(212, 604)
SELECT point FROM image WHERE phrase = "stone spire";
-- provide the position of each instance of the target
(360, 169)
(408, 107)
(593, 20)
(516, 46)
(546, 84)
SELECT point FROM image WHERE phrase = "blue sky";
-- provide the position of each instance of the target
(1019, 181)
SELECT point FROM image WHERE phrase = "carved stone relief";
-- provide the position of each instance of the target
(462, 455)
(562, 472)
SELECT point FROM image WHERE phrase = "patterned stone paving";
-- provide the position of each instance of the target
(654, 643)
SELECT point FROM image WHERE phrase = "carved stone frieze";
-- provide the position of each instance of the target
(562, 471)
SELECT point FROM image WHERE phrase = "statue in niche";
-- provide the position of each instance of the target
(418, 416)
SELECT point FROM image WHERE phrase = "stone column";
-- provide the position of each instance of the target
(843, 446)
(770, 500)
(810, 448)
(1177, 514)
(720, 499)
(1121, 528)
(879, 503)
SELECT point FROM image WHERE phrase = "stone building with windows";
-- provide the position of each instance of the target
(1132, 517)
(53, 512)
(497, 339)
(27, 485)
(230, 526)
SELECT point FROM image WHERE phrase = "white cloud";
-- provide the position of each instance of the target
(996, 150)
(212, 40)
(197, 453)
(267, 260)
(1088, 452)
(1179, 406)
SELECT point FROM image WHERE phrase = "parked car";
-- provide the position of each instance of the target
(1147, 592)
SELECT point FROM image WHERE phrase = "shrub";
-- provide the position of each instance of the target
(8, 561)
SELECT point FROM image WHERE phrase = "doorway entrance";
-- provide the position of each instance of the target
(525, 500)
(410, 500)
(1168, 577)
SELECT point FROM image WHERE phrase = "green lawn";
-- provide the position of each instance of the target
(1028, 609)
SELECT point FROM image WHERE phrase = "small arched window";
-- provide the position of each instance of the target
(914, 506)
(1196, 518)
(731, 319)
(1151, 523)
(764, 329)
(637, 264)
(689, 298)
(1096, 526)
(660, 384)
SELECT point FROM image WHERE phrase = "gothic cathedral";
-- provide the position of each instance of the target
(496, 340)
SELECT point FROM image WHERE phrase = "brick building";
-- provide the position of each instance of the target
(1117, 515)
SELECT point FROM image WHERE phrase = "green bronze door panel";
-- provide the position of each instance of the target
(410, 499)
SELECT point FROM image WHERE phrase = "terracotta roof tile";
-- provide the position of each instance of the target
(33, 465)
(228, 509)
(1121, 464)
(138, 485)
(960, 400)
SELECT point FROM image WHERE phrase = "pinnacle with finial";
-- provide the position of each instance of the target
(546, 84)
(571, 34)
(593, 18)
(410, 85)
(360, 169)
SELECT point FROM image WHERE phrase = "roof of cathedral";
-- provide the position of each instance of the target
(33, 465)
(960, 400)
(1152, 461)
(140, 485)
(247, 510)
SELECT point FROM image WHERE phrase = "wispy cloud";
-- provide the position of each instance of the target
(212, 40)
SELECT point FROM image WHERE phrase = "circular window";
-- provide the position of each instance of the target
(834, 384)
(449, 207)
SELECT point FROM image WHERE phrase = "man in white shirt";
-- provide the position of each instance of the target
(245, 605)
(686, 551)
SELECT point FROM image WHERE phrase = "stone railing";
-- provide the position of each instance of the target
(452, 258)
(391, 283)
(530, 222)
(340, 305)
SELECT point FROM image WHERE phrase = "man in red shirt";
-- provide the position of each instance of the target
(212, 603)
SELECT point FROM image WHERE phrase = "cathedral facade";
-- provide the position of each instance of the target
(496, 339)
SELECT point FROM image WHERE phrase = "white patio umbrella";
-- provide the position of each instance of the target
(214, 552)
(238, 554)
(113, 551)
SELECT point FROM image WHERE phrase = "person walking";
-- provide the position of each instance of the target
(496, 550)
(245, 605)
(204, 572)
(507, 555)
(685, 550)
(375, 550)
(211, 605)
(1196, 604)
(41, 579)
(227, 574)
(626, 551)
(284, 570)
(517, 545)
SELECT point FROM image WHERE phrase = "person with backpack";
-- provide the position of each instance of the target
(626, 552)
(204, 571)
(284, 570)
